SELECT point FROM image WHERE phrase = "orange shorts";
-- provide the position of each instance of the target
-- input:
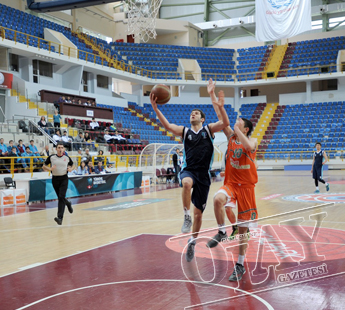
(246, 204)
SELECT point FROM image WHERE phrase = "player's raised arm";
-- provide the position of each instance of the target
(211, 90)
(173, 128)
(224, 119)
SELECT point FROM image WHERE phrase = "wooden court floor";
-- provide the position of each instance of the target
(30, 238)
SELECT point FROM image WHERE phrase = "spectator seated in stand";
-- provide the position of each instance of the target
(118, 139)
(72, 172)
(46, 152)
(44, 125)
(3, 153)
(94, 125)
(19, 163)
(88, 142)
(99, 169)
(20, 147)
(101, 158)
(109, 138)
(87, 156)
(68, 100)
(67, 141)
(3, 147)
(26, 154)
(10, 146)
(62, 99)
(57, 136)
(90, 167)
(34, 151)
(79, 155)
(82, 169)
(79, 141)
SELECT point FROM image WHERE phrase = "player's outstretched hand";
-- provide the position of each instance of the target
(211, 86)
(153, 100)
(236, 128)
(220, 102)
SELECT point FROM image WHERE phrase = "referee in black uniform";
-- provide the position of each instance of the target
(60, 163)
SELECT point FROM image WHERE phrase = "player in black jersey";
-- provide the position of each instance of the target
(320, 158)
(195, 172)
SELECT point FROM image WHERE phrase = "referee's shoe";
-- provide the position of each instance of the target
(69, 206)
(58, 220)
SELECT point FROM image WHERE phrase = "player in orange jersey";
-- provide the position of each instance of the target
(239, 183)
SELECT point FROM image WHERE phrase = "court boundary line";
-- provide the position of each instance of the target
(63, 257)
(250, 294)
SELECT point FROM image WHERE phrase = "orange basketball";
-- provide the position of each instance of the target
(162, 93)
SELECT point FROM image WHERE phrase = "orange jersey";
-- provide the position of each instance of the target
(240, 165)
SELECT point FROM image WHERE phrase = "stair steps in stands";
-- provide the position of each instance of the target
(264, 121)
(276, 59)
(151, 123)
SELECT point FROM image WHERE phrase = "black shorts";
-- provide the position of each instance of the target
(317, 173)
(201, 187)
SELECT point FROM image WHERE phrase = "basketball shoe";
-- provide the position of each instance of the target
(187, 224)
(238, 273)
(216, 239)
(190, 250)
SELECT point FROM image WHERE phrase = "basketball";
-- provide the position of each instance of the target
(162, 93)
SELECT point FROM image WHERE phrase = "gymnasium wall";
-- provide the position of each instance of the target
(272, 92)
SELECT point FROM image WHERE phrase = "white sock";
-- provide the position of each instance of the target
(191, 239)
(222, 228)
(317, 188)
(241, 259)
(326, 183)
(186, 212)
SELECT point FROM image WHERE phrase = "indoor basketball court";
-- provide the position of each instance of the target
(124, 251)
(97, 69)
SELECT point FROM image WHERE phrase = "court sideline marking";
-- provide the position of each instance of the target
(269, 307)
(79, 252)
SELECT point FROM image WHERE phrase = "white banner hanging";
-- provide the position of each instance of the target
(278, 19)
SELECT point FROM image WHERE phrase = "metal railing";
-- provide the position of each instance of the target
(297, 155)
(113, 62)
(41, 130)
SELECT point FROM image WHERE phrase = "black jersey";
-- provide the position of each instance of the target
(318, 159)
(198, 150)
